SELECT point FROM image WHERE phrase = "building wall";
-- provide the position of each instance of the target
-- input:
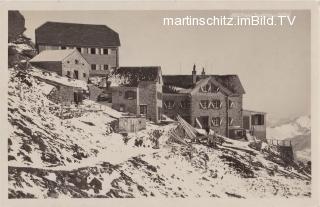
(49, 66)
(69, 64)
(132, 124)
(47, 47)
(236, 111)
(148, 96)
(118, 99)
(196, 111)
(94, 92)
(159, 95)
(63, 94)
(111, 59)
(177, 98)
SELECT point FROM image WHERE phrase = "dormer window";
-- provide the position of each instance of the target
(214, 89)
(205, 89)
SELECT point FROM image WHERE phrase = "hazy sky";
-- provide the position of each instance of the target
(273, 63)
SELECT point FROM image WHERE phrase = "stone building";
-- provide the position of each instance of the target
(68, 63)
(138, 91)
(98, 44)
(213, 101)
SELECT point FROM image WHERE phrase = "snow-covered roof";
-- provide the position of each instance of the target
(52, 55)
(51, 76)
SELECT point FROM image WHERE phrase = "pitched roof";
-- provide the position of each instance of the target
(131, 76)
(58, 33)
(230, 82)
(52, 55)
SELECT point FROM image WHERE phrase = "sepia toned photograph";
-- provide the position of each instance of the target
(159, 103)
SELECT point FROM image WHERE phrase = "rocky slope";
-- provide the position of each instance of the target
(83, 157)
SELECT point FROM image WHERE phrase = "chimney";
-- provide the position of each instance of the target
(203, 73)
(194, 74)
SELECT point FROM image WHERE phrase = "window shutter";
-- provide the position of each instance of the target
(220, 106)
(198, 123)
(221, 119)
(230, 121)
(201, 107)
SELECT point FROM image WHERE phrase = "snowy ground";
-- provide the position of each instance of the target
(84, 157)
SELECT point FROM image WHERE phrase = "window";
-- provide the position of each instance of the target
(130, 95)
(216, 121)
(84, 75)
(205, 89)
(169, 104)
(121, 108)
(105, 67)
(257, 119)
(76, 61)
(214, 89)
(63, 48)
(69, 74)
(105, 51)
(92, 50)
(185, 104)
(93, 67)
(143, 110)
(231, 104)
(204, 104)
(239, 133)
(215, 104)
(230, 121)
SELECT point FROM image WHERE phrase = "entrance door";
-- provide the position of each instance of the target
(76, 74)
(204, 120)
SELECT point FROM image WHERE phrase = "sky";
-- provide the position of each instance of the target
(272, 62)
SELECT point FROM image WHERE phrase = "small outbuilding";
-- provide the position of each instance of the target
(69, 63)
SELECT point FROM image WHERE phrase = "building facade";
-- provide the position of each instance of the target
(139, 92)
(206, 101)
(68, 63)
(98, 44)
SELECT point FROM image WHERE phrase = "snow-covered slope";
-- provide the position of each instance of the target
(84, 157)
(298, 132)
